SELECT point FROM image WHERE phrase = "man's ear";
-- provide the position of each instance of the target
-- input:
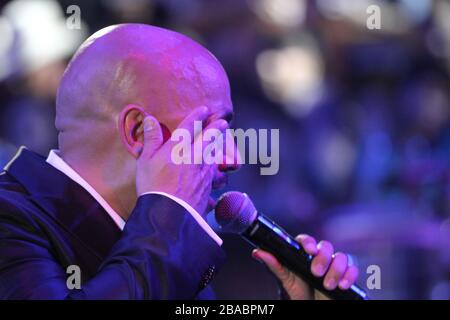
(131, 127)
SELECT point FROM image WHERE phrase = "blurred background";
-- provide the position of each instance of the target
(364, 119)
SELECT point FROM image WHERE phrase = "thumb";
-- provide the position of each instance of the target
(296, 288)
(153, 137)
(272, 263)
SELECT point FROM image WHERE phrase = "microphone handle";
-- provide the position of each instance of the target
(267, 235)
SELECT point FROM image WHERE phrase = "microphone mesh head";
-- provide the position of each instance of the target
(235, 212)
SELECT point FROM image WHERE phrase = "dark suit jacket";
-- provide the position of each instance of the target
(48, 222)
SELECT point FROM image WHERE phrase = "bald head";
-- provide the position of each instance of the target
(164, 72)
(117, 78)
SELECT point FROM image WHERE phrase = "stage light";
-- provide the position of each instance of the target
(292, 76)
(41, 31)
(284, 13)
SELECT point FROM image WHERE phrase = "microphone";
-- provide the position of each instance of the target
(235, 213)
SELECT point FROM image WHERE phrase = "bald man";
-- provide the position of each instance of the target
(109, 215)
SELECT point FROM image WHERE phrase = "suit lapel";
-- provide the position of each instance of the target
(65, 201)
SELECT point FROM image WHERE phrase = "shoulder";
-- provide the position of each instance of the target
(15, 203)
(11, 191)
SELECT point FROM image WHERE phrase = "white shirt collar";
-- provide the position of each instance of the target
(56, 161)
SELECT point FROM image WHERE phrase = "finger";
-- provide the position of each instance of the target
(198, 114)
(320, 296)
(213, 137)
(272, 263)
(336, 271)
(214, 129)
(232, 154)
(153, 137)
(322, 260)
(349, 278)
(207, 171)
(308, 243)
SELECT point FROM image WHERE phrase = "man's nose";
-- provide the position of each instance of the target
(231, 156)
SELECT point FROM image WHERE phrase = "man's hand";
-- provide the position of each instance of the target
(335, 267)
(157, 172)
